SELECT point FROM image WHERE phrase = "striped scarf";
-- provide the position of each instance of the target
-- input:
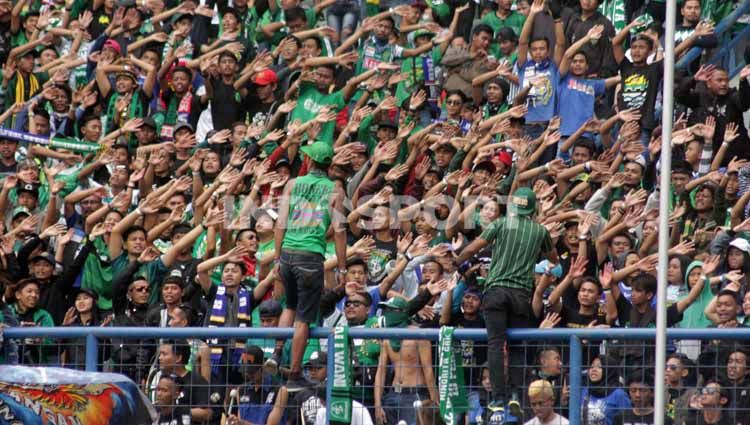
(21, 87)
(178, 111)
(218, 318)
(135, 110)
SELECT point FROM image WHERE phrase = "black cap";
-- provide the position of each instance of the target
(88, 291)
(283, 161)
(181, 125)
(485, 165)
(437, 170)
(388, 123)
(447, 146)
(317, 359)
(28, 187)
(46, 256)
(269, 308)
(175, 277)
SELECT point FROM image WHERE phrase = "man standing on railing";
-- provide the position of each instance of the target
(518, 241)
(310, 205)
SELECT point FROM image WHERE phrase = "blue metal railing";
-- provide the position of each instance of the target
(573, 336)
(726, 56)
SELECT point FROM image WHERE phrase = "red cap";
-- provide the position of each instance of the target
(265, 77)
(112, 44)
(505, 158)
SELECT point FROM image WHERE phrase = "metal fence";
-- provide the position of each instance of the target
(571, 341)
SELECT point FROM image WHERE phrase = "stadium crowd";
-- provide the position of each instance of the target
(384, 163)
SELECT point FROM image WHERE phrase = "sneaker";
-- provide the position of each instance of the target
(496, 414)
(514, 407)
(271, 366)
(294, 385)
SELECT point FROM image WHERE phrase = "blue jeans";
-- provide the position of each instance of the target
(475, 410)
(340, 17)
(400, 406)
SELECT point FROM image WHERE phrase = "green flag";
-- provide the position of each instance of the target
(52, 142)
(451, 377)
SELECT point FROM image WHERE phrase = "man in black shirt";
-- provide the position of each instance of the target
(8, 162)
(166, 398)
(641, 392)
(306, 403)
(173, 357)
(713, 399)
(226, 101)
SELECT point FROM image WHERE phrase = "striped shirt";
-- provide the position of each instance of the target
(517, 245)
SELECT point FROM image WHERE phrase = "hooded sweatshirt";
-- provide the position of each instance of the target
(693, 316)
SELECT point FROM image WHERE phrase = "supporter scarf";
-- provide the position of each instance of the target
(52, 142)
(177, 112)
(21, 87)
(135, 109)
(614, 10)
(450, 377)
(341, 400)
(219, 314)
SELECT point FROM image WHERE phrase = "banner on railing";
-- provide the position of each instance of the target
(56, 396)
(451, 386)
(341, 394)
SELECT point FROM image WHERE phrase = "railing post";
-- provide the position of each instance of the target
(92, 353)
(329, 373)
(574, 403)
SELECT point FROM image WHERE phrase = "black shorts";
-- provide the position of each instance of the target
(303, 277)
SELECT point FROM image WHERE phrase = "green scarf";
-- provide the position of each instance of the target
(97, 274)
(53, 142)
(341, 400)
(614, 10)
(135, 110)
(451, 377)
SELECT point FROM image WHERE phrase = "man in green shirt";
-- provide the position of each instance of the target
(310, 205)
(518, 242)
(504, 17)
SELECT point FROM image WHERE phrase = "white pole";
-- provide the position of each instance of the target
(664, 192)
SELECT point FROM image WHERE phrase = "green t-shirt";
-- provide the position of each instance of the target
(414, 69)
(371, 54)
(269, 18)
(309, 214)
(514, 21)
(309, 104)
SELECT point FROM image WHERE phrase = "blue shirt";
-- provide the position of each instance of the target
(576, 98)
(543, 95)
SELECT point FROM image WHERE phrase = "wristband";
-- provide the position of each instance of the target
(607, 291)
(587, 167)
(583, 238)
(546, 168)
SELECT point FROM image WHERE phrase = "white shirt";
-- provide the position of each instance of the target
(556, 420)
(360, 415)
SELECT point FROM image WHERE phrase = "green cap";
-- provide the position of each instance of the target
(20, 210)
(395, 303)
(523, 202)
(423, 31)
(320, 152)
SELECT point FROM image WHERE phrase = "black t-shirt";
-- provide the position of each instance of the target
(646, 320)
(570, 297)
(304, 408)
(627, 417)
(194, 391)
(640, 85)
(383, 253)
(257, 111)
(474, 356)
(571, 318)
(180, 415)
(726, 419)
(8, 169)
(226, 105)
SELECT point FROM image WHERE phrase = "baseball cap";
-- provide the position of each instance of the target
(423, 32)
(320, 152)
(269, 308)
(20, 210)
(88, 291)
(388, 123)
(180, 125)
(437, 170)
(46, 256)
(505, 158)
(149, 122)
(395, 303)
(523, 202)
(128, 74)
(317, 359)
(175, 276)
(473, 292)
(114, 45)
(447, 146)
(265, 77)
(741, 244)
(28, 187)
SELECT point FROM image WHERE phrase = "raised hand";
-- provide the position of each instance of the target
(148, 255)
(551, 319)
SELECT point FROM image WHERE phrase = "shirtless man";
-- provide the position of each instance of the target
(413, 377)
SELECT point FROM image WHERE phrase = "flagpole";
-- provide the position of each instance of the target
(664, 192)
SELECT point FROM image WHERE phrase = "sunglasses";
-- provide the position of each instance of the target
(354, 304)
(672, 367)
(710, 391)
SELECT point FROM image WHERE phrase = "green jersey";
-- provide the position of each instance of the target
(309, 104)
(309, 213)
(413, 68)
(514, 21)
(517, 245)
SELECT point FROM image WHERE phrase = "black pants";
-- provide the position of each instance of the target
(505, 308)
